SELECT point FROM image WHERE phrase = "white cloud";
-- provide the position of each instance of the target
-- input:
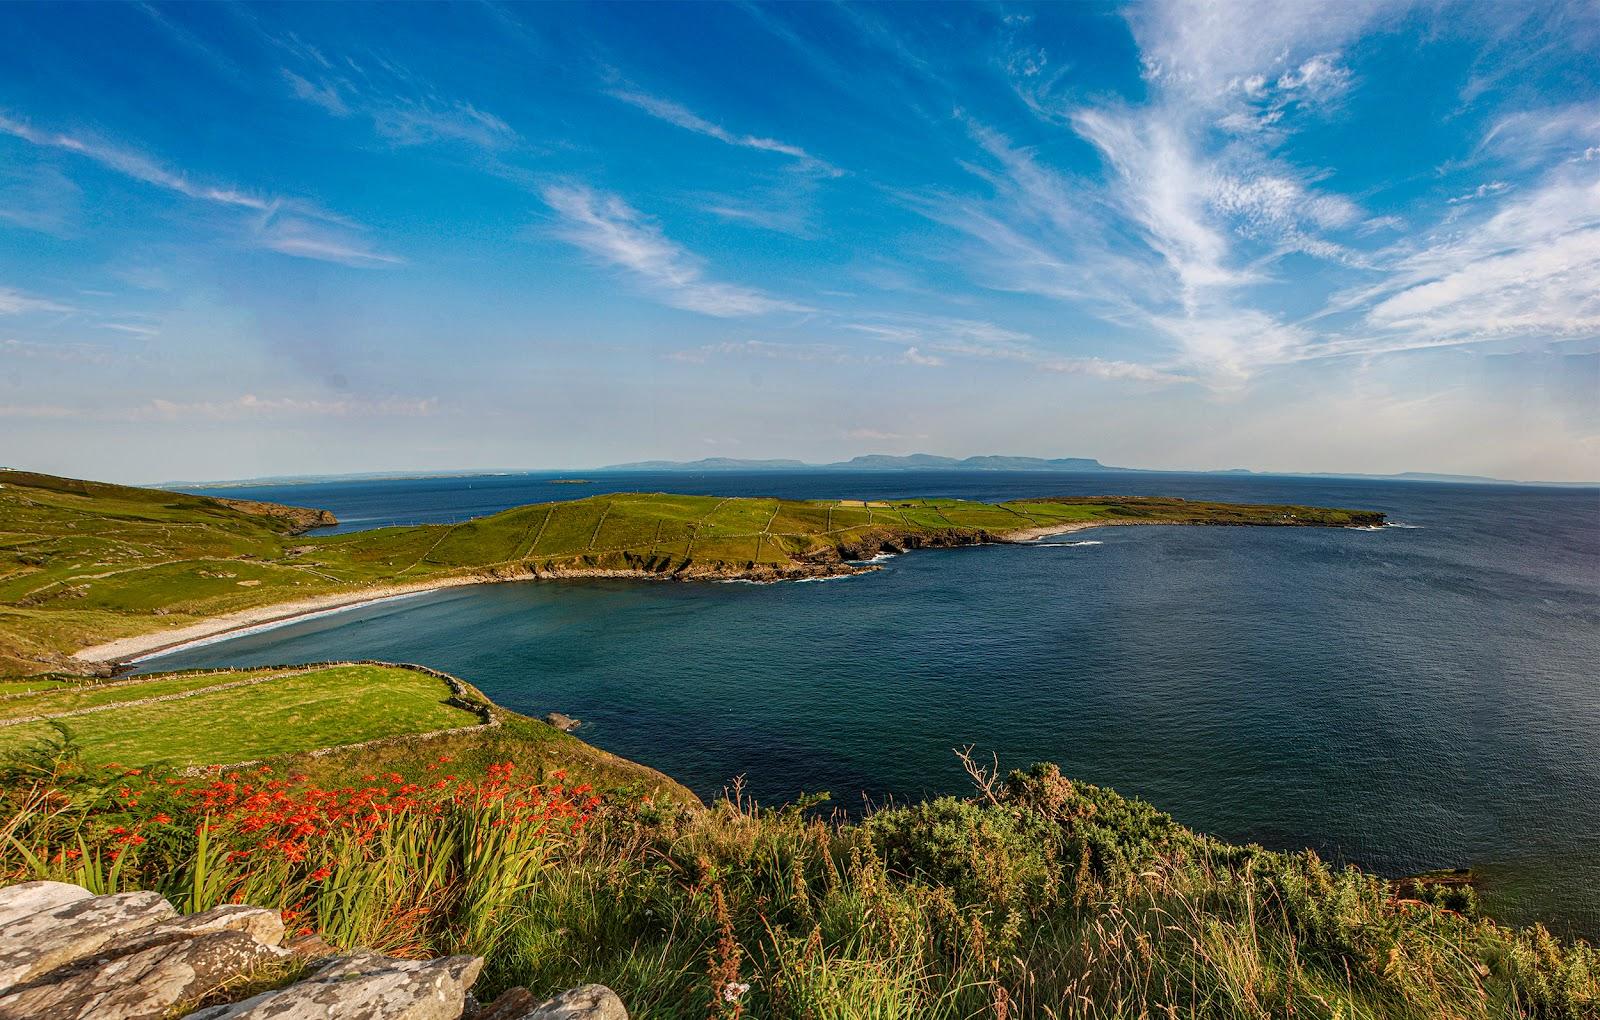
(251, 406)
(1481, 191)
(763, 349)
(136, 329)
(64, 352)
(309, 239)
(1184, 227)
(15, 302)
(611, 231)
(325, 96)
(402, 108)
(1532, 137)
(932, 340)
(680, 116)
(1214, 52)
(289, 226)
(245, 407)
(135, 165)
(1523, 269)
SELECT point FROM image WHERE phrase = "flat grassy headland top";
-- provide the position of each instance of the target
(329, 721)
(83, 563)
(219, 718)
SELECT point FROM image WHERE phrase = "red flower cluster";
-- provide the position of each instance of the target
(263, 816)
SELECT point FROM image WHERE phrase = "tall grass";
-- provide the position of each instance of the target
(1038, 898)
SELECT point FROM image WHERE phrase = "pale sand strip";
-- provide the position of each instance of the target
(137, 647)
(1046, 530)
(249, 621)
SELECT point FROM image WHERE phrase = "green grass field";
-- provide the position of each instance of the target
(83, 563)
(287, 712)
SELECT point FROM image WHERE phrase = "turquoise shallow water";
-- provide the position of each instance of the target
(1409, 698)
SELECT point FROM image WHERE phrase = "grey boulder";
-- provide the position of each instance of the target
(364, 987)
(145, 984)
(20, 900)
(586, 1002)
(34, 945)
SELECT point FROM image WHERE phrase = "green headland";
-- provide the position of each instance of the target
(83, 564)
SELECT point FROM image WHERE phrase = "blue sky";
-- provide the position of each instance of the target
(242, 240)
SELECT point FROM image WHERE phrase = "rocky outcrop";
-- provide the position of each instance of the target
(38, 943)
(67, 954)
(18, 901)
(561, 721)
(586, 1002)
(295, 519)
(146, 983)
(365, 986)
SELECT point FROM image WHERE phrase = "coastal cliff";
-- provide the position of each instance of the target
(298, 518)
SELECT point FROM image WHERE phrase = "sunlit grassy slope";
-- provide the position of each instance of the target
(82, 562)
(236, 716)
(320, 720)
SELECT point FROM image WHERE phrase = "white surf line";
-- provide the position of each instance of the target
(257, 628)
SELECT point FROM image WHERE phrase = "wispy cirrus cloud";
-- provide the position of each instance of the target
(245, 407)
(71, 353)
(136, 165)
(303, 237)
(930, 341)
(402, 107)
(1195, 205)
(681, 116)
(1524, 268)
(403, 119)
(1542, 136)
(766, 350)
(286, 225)
(615, 234)
(16, 302)
(249, 405)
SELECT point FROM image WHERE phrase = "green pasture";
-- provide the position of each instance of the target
(285, 714)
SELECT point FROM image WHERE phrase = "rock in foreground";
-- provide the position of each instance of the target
(67, 954)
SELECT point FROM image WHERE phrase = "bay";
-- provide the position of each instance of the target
(1417, 697)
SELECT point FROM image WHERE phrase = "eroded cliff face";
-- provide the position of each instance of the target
(299, 519)
(871, 543)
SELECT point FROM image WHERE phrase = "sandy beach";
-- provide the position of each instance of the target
(140, 646)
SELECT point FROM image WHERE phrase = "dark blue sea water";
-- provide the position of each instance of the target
(1411, 698)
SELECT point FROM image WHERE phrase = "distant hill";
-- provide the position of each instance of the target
(1062, 465)
(877, 462)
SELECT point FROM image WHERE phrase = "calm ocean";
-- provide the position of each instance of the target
(1419, 697)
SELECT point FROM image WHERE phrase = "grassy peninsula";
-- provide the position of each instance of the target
(85, 563)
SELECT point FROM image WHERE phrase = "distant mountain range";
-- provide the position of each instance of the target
(867, 462)
(1060, 465)
(877, 462)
